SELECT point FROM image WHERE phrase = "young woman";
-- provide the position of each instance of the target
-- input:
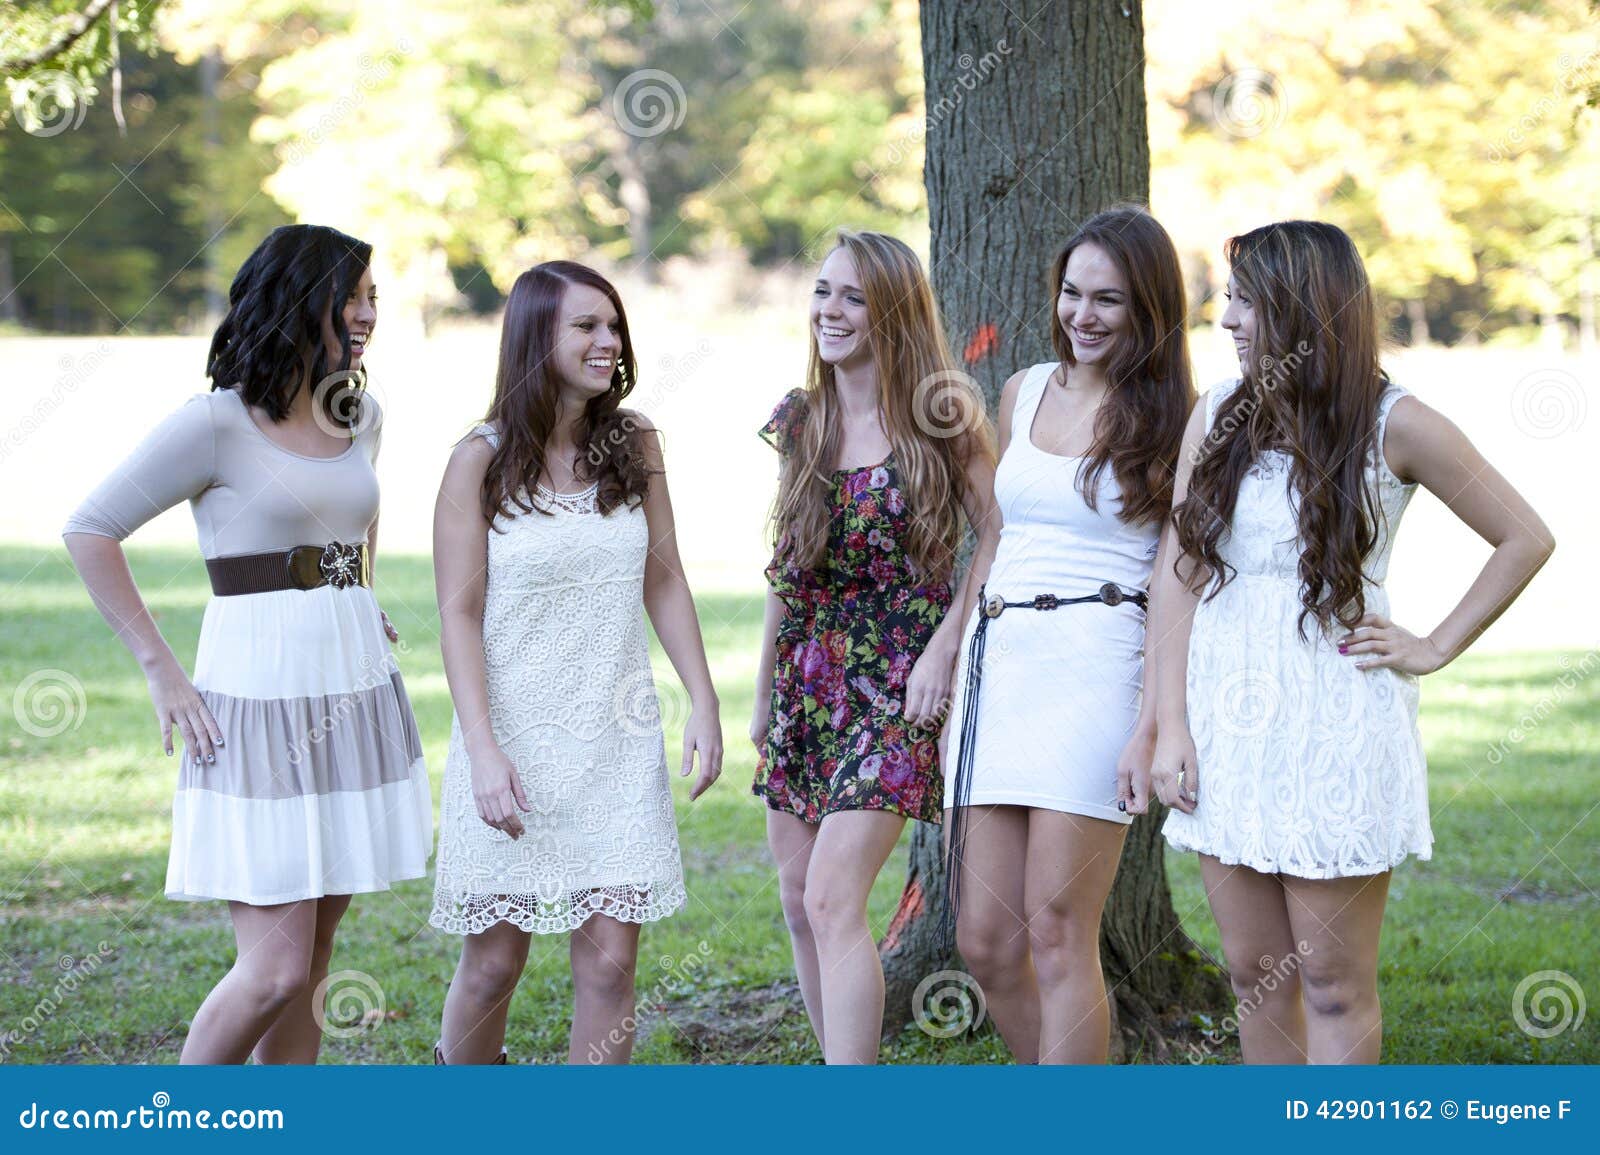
(882, 452)
(302, 781)
(553, 537)
(1286, 697)
(1047, 702)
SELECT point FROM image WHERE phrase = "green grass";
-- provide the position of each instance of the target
(83, 837)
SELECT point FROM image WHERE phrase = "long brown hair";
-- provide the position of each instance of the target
(1138, 429)
(932, 413)
(1311, 387)
(526, 395)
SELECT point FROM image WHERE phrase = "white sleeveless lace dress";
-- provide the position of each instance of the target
(1308, 766)
(573, 704)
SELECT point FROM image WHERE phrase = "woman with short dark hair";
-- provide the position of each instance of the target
(302, 780)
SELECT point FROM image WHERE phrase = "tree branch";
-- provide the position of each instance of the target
(81, 24)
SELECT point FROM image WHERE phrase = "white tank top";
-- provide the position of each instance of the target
(1051, 542)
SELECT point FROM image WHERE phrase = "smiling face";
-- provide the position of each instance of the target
(1092, 304)
(588, 338)
(839, 323)
(360, 315)
(1239, 318)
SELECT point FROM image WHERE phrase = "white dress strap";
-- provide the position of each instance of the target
(1030, 394)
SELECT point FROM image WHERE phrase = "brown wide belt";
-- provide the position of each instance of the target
(305, 567)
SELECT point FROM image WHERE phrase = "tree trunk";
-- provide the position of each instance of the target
(1036, 120)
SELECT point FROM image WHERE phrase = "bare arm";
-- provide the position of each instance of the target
(1167, 628)
(460, 576)
(103, 566)
(928, 690)
(1423, 445)
(671, 608)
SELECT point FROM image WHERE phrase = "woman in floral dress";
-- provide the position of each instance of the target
(862, 625)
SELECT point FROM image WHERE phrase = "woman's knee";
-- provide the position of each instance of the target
(1063, 940)
(833, 909)
(605, 975)
(277, 981)
(792, 896)
(490, 972)
(993, 949)
(1333, 989)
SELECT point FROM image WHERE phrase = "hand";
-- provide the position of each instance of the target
(1174, 752)
(179, 705)
(928, 688)
(703, 732)
(760, 720)
(388, 627)
(1391, 646)
(497, 791)
(1133, 769)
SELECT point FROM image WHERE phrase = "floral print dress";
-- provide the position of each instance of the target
(854, 628)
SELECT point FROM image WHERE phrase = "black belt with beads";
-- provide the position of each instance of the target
(990, 608)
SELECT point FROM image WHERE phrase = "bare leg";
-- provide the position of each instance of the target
(1258, 943)
(791, 841)
(992, 933)
(473, 1027)
(851, 848)
(605, 955)
(1072, 862)
(274, 962)
(296, 1036)
(1339, 921)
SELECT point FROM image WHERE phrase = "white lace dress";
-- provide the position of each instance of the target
(572, 700)
(1308, 766)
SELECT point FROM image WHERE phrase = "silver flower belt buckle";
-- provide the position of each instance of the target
(340, 565)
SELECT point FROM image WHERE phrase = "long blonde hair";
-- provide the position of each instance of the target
(932, 412)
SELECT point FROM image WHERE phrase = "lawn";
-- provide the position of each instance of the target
(96, 966)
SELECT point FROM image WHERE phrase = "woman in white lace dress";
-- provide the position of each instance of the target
(1286, 698)
(553, 537)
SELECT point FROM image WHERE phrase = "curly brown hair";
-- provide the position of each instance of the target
(1311, 388)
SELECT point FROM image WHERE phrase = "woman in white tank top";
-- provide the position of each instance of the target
(1049, 697)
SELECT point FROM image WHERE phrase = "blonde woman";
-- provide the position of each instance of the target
(883, 453)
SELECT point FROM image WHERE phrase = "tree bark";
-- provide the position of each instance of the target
(1036, 120)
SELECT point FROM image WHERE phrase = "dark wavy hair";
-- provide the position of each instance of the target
(1150, 384)
(1311, 388)
(270, 344)
(526, 395)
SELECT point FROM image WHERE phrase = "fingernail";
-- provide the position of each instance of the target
(211, 757)
(220, 743)
(1343, 649)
